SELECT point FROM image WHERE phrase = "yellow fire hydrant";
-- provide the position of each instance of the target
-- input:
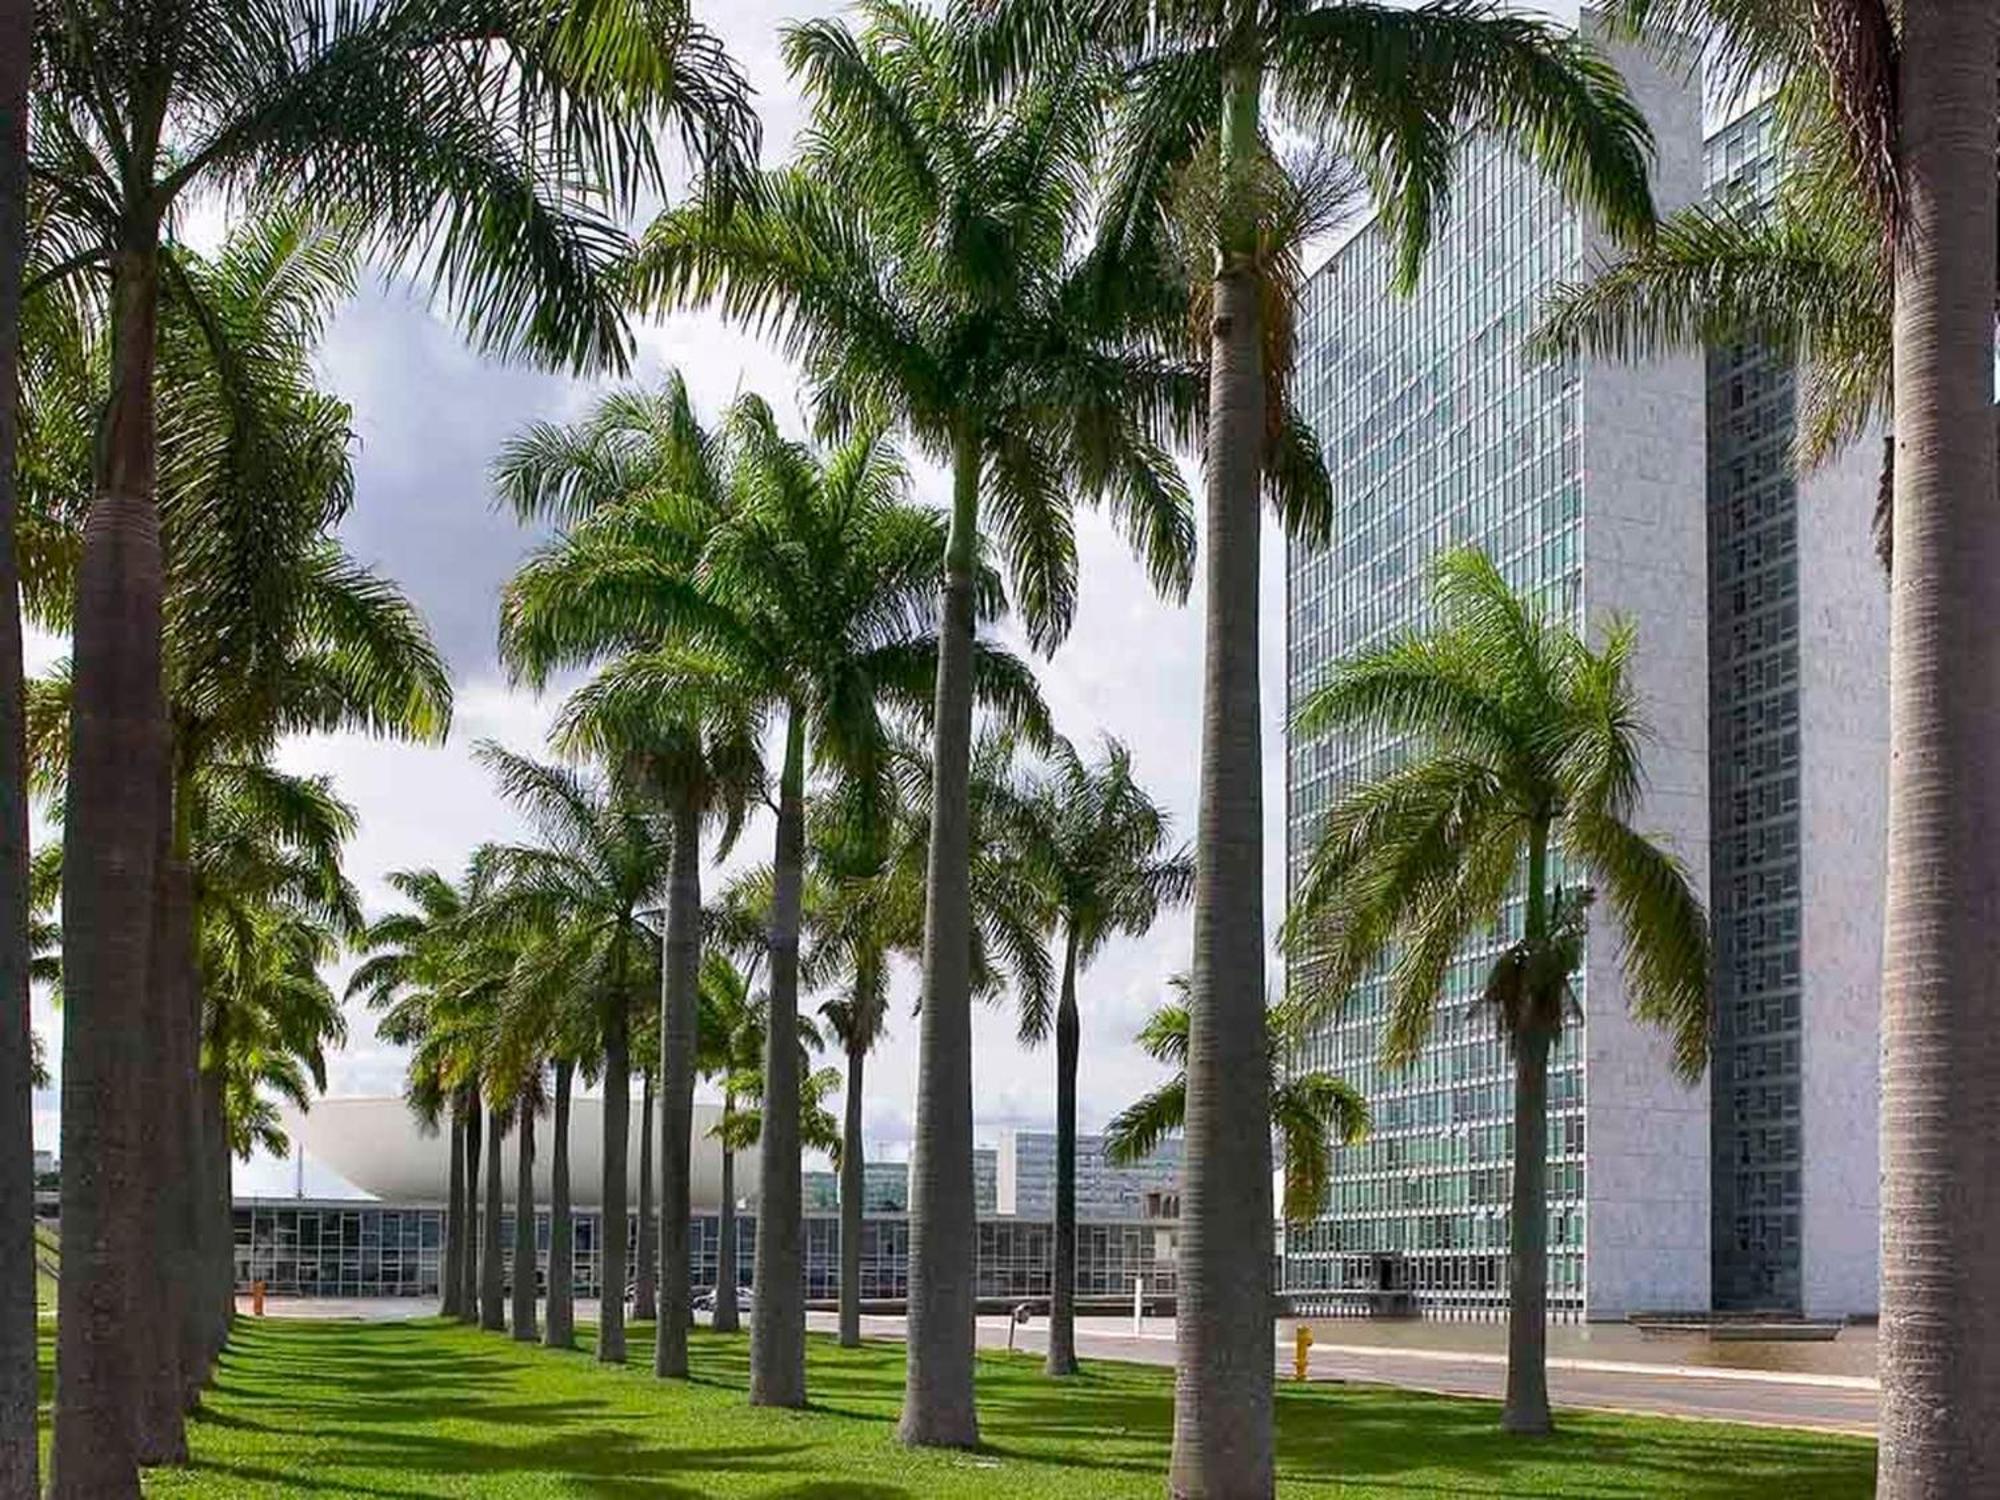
(1302, 1340)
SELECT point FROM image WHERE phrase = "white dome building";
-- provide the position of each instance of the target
(377, 1145)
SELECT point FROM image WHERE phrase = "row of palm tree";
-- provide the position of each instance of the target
(952, 254)
(500, 168)
(270, 629)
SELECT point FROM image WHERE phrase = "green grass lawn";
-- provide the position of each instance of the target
(421, 1409)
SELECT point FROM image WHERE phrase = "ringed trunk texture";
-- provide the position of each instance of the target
(1527, 1406)
(680, 978)
(219, 1213)
(475, 1125)
(559, 1331)
(492, 1284)
(853, 1176)
(778, 1324)
(452, 1303)
(192, 1159)
(19, 1461)
(646, 1288)
(613, 1251)
(524, 1229)
(111, 852)
(1940, 1339)
(938, 1403)
(728, 1317)
(1062, 1281)
(1222, 1386)
(161, 1282)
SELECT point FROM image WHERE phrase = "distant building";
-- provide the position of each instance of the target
(985, 1179)
(885, 1187)
(1026, 1177)
(822, 1191)
(1662, 492)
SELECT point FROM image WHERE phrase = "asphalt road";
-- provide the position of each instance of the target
(1836, 1403)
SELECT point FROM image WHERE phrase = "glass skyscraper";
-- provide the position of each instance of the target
(1662, 492)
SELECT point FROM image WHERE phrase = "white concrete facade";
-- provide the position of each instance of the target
(1843, 807)
(1645, 544)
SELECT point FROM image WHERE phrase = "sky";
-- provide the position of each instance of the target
(430, 415)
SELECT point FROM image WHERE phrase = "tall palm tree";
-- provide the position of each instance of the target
(731, 1047)
(590, 882)
(1524, 753)
(809, 597)
(1392, 88)
(270, 628)
(1311, 1111)
(407, 975)
(1894, 108)
(697, 752)
(1098, 853)
(862, 919)
(446, 155)
(19, 1459)
(919, 257)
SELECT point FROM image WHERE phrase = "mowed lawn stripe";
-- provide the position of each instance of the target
(429, 1408)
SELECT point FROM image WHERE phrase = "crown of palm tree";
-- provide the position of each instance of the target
(917, 258)
(1311, 1111)
(1522, 737)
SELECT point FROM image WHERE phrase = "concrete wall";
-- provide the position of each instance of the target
(1645, 557)
(1843, 795)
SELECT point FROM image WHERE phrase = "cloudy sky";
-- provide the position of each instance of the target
(430, 416)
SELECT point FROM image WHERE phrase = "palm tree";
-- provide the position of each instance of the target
(405, 975)
(809, 596)
(698, 752)
(1524, 752)
(19, 1458)
(1310, 1111)
(918, 259)
(590, 882)
(731, 1048)
(408, 975)
(443, 153)
(861, 920)
(1097, 851)
(270, 628)
(1894, 109)
(1394, 88)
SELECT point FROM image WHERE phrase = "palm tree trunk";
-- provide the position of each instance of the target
(452, 1303)
(1062, 1282)
(192, 1155)
(612, 1249)
(220, 1212)
(728, 1317)
(524, 1227)
(19, 1461)
(1527, 1406)
(152, 1317)
(475, 1124)
(646, 1293)
(1222, 1389)
(778, 1331)
(680, 978)
(853, 1176)
(111, 853)
(938, 1403)
(492, 1297)
(1940, 1050)
(560, 1329)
